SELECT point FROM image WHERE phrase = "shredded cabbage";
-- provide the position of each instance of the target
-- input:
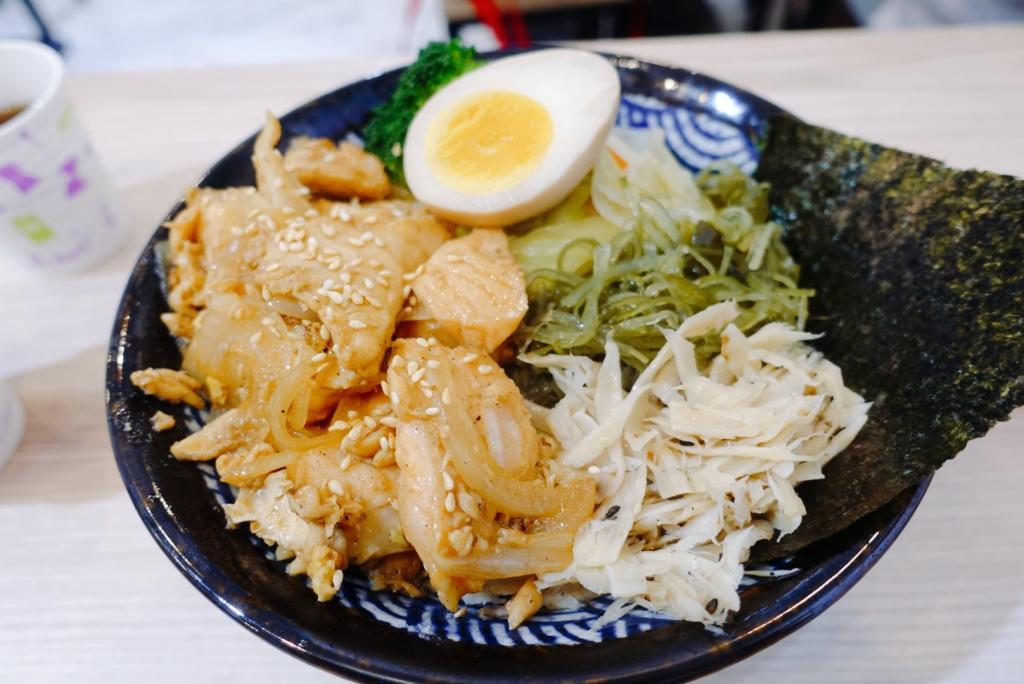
(697, 462)
(646, 245)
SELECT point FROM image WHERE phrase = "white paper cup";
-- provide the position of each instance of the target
(12, 423)
(57, 209)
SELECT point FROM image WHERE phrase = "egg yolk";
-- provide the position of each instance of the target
(488, 141)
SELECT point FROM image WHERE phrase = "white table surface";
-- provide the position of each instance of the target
(86, 595)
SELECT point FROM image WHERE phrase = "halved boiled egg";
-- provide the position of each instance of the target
(512, 138)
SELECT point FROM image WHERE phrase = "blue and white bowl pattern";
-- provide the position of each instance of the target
(696, 139)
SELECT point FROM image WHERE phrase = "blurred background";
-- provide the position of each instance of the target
(132, 35)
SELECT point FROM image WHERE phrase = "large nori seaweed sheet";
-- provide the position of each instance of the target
(919, 272)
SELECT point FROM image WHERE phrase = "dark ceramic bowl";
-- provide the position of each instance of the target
(377, 635)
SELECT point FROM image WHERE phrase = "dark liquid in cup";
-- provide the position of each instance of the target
(8, 113)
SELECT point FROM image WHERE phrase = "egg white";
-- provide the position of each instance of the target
(580, 92)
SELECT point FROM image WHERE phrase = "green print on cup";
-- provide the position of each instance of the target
(34, 228)
(65, 118)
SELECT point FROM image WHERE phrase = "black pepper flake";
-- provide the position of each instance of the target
(612, 512)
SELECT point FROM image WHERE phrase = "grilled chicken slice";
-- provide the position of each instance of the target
(473, 499)
(474, 289)
(282, 190)
(345, 277)
(407, 228)
(338, 171)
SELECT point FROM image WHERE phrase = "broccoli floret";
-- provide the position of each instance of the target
(436, 65)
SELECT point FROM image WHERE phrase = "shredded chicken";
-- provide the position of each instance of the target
(170, 385)
(526, 602)
(161, 421)
(271, 513)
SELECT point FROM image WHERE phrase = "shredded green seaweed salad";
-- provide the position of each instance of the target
(642, 245)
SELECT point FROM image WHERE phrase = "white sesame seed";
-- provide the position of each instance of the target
(470, 357)
(432, 411)
(449, 483)
(237, 231)
(446, 396)
(335, 488)
(383, 443)
(373, 263)
(352, 414)
(433, 363)
(397, 360)
(325, 333)
(371, 219)
(484, 369)
(449, 502)
(345, 277)
(369, 422)
(356, 242)
(412, 367)
(329, 230)
(378, 241)
(385, 388)
(317, 358)
(355, 263)
(418, 375)
(356, 324)
(278, 183)
(329, 284)
(267, 320)
(295, 247)
(368, 283)
(385, 274)
(394, 397)
(422, 342)
(432, 341)
(357, 299)
(374, 302)
(593, 470)
(329, 314)
(273, 267)
(336, 297)
(453, 258)
(428, 393)
(256, 337)
(389, 421)
(355, 433)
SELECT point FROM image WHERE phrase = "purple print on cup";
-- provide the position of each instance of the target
(21, 180)
(75, 182)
